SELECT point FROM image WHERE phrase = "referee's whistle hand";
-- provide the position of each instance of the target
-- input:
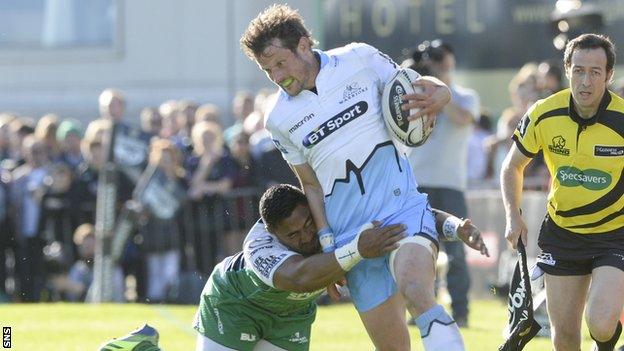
(514, 229)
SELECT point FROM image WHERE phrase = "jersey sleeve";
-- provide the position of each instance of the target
(380, 63)
(290, 152)
(265, 254)
(525, 136)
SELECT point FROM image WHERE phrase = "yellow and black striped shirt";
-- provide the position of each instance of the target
(585, 158)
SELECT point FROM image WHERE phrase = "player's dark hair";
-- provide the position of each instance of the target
(590, 41)
(276, 22)
(278, 203)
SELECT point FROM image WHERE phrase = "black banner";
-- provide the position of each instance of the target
(484, 33)
(522, 326)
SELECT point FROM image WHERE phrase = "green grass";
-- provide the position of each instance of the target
(83, 327)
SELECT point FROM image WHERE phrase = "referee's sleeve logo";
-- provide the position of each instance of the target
(608, 151)
(523, 125)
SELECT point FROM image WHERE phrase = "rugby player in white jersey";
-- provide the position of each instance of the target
(327, 123)
(263, 298)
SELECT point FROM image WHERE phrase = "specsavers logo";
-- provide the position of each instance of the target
(590, 179)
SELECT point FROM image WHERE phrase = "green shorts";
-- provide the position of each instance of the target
(240, 325)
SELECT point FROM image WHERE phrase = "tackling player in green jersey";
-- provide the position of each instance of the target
(263, 298)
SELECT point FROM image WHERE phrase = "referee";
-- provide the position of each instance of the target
(580, 130)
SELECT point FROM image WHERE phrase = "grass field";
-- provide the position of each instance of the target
(77, 327)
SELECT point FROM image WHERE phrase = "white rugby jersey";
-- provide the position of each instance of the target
(340, 133)
(264, 253)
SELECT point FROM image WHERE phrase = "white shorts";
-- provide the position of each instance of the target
(416, 239)
(372, 281)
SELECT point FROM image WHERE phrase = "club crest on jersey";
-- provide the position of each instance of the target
(558, 146)
(333, 124)
(352, 90)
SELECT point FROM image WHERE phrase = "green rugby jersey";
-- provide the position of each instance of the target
(246, 278)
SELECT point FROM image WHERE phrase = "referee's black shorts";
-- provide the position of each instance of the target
(568, 253)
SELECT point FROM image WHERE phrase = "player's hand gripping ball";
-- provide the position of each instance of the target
(411, 133)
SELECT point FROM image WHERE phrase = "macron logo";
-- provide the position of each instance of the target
(300, 123)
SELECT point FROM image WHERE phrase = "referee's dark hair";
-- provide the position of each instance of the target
(590, 41)
(278, 203)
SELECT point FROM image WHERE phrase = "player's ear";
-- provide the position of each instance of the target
(610, 76)
(304, 44)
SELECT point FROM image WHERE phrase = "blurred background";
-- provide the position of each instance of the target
(59, 54)
(190, 105)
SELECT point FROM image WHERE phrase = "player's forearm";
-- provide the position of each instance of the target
(313, 273)
(316, 199)
(315, 196)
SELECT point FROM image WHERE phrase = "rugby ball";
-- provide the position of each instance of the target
(411, 133)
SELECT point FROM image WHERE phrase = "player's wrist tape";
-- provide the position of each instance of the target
(449, 228)
(326, 238)
(349, 255)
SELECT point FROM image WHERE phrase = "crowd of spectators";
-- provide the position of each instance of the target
(49, 182)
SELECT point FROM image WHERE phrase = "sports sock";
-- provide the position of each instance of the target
(609, 345)
(438, 331)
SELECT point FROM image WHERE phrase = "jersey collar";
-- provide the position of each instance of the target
(324, 58)
(606, 100)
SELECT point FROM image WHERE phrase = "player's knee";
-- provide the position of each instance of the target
(601, 327)
(419, 297)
